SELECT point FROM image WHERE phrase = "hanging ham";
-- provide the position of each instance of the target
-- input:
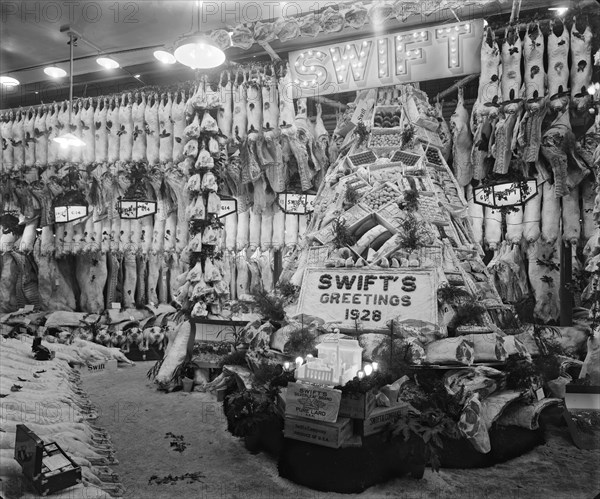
(87, 132)
(178, 116)
(112, 130)
(29, 138)
(558, 65)
(581, 64)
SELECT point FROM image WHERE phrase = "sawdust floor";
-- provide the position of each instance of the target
(137, 417)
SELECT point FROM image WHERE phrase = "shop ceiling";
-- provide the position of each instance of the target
(130, 31)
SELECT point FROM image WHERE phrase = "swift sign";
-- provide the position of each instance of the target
(445, 51)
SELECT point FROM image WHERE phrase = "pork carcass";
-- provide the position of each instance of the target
(550, 214)
(152, 131)
(493, 227)
(558, 65)
(275, 171)
(100, 132)
(41, 136)
(544, 277)
(18, 140)
(535, 91)
(165, 123)
(138, 110)
(240, 109)
(445, 136)
(87, 132)
(510, 85)
(571, 217)
(29, 138)
(6, 127)
(75, 154)
(225, 112)
(581, 64)
(178, 117)
(52, 130)
(462, 142)
(126, 128)
(112, 130)
(588, 196)
(532, 217)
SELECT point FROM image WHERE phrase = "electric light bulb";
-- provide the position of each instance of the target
(303, 54)
(452, 38)
(312, 68)
(447, 30)
(380, 42)
(360, 64)
(453, 61)
(310, 52)
(456, 28)
(382, 51)
(399, 37)
(348, 47)
(332, 50)
(320, 73)
(452, 49)
(344, 57)
(335, 59)
(365, 44)
(296, 81)
(286, 366)
(309, 357)
(423, 34)
(439, 31)
(360, 375)
(368, 369)
(375, 366)
(381, 61)
(299, 361)
(351, 56)
(415, 35)
(408, 53)
(362, 53)
(296, 64)
(591, 89)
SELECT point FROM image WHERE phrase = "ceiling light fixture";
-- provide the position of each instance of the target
(136, 76)
(68, 139)
(55, 72)
(9, 81)
(165, 57)
(198, 51)
(107, 62)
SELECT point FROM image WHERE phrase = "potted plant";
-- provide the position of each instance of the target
(185, 373)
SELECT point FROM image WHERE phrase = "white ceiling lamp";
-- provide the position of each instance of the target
(68, 139)
(9, 81)
(165, 57)
(55, 72)
(198, 51)
(107, 62)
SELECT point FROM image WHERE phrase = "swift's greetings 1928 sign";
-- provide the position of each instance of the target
(368, 297)
(444, 51)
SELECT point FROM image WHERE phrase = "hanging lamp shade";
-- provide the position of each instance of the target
(8, 81)
(198, 52)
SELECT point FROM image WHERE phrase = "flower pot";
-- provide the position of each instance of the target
(188, 384)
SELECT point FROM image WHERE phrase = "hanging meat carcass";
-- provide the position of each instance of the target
(138, 112)
(52, 130)
(41, 136)
(100, 131)
(544, 277)
(462, 142)
(126, 128)
(581, 64)
(178, 116)
(240, 117)
(225, 112)
(86, 117)
(152, 130)
(75, 154)
(7, 141)
(510, 85)
(29, 138)
(530, 136)
(112, 129)
(558, 65)
(18, 140)
(165, 124)
(275, 172)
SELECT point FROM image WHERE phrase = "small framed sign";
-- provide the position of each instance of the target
(134, 209)
(69, 213)
(296, 204)
(228, 206)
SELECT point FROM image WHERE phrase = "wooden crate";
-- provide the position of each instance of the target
(357, 405)
(379, 420)
(317, 432)
(303, 400)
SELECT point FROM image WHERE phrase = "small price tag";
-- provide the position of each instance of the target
(539, 393)
(115, 305)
